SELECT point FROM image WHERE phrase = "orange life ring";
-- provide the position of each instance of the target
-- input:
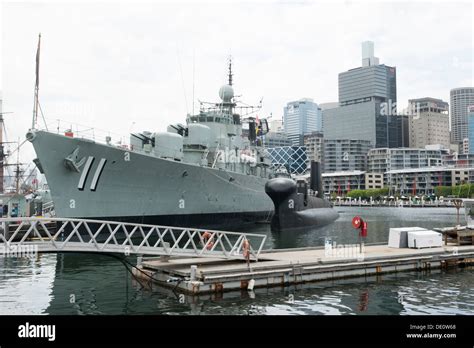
(207, 238)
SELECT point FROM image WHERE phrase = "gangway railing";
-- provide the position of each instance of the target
(81, 235)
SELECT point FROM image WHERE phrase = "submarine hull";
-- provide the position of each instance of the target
(318, 217)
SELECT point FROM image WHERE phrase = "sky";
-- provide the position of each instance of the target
(122, 67)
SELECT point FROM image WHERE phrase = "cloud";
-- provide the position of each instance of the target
(123, 66)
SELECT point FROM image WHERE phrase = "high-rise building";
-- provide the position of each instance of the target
(368, 58)
(470, 118)
(276, 139)
(461, 98)
(345, 155)
(329, 105)
(314, 144)
(301, 117)
(367, 111)
(429, 123)
(276, 125)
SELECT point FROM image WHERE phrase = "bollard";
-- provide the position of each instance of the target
(251, 284)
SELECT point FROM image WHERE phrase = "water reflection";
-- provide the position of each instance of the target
(26, 284)
(95, 284)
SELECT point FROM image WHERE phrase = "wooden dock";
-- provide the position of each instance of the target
(295, 266)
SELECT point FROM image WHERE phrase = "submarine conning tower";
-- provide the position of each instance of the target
(280, 189)
(295, 207)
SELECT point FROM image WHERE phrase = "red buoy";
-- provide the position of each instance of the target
(356, 221)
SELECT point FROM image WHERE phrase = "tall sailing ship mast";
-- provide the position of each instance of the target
(18, 172)
(3, 153)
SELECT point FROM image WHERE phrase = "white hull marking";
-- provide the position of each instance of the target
(85, 173)
(97, 173)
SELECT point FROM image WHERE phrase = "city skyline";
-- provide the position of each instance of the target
(125, 74)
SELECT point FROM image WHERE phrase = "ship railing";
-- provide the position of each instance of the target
(84, 132)
(48, 209)
(82, 235)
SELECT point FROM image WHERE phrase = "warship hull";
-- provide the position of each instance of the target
(114, 183)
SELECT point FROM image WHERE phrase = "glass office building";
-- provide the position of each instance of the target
(367, 106)
(301, 117)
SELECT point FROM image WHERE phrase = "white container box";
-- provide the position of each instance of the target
(398, 237)
(424, 239)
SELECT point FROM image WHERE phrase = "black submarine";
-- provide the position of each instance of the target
(295, 207)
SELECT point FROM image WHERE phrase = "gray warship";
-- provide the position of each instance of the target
(209, 172)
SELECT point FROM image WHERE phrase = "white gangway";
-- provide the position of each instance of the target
(81, 235)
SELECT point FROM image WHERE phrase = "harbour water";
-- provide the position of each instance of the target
(97, 284)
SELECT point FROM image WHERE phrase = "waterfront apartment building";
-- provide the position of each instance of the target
(458, 160)
(430, 123)
(418, 181)
(367, 105)
(301, 117)
(374, 181)
(314, 144)
(340, 183)
(460, 99)
(345, 155)
(423, 181)
(465, 146)
(385, 159)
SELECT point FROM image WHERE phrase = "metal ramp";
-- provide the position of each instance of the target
(80, 235)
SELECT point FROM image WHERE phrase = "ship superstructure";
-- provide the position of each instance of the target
(208, 171)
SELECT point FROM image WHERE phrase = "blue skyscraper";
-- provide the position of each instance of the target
(470, 120)
(301, 117)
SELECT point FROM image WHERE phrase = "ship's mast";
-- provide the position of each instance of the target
(3, 155)
(17, 171)
(36, 100)
(230, 71)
